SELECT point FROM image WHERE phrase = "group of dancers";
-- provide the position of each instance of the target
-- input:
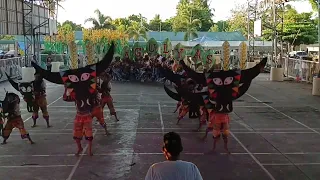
(207, 96)
(88, 87)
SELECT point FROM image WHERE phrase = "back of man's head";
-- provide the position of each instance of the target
(172, 143)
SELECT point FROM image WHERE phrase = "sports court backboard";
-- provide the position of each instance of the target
(12, 13)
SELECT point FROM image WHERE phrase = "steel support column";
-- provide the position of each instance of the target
(32, 30)
(277, 14)
(27, 8)
(252, 16)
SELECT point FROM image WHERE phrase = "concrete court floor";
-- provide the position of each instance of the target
(275, 135)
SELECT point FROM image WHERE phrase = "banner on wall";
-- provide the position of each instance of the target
(209, 57)
(137, 51)
(152, 47)
(179, 52)
(126, 53)
(166, 48)
(197, 54)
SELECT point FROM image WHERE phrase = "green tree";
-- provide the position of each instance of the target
(101, 21)
(139, 19)
(74, 26)
(238, 20)
(6, 37)
(314, 4)
(66, 28)
(191, 31)
(220, 26)
(193, 9)
(155, 23)
(135, 31)
(297, 28)
(167, 25)
(52, 6)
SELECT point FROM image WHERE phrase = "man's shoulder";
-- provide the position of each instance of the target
(164, 163)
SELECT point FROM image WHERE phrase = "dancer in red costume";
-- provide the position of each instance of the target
(39, 87)
(34, 94)
(223, 87)
(105, 94)
(80, 87)
(97, 112)
(11, 106)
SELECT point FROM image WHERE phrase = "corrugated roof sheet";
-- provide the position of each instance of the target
(161, 36)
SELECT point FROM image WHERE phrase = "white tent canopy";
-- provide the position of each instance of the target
(218, 44)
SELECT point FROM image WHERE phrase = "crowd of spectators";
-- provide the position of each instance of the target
(145, 69)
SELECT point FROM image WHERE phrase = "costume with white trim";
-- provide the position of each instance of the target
(223, 87)
(80, 87)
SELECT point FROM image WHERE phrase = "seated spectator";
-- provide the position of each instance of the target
(173, 168)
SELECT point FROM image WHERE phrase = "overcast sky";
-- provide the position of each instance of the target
(79, 10)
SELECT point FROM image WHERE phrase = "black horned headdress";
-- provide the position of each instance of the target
(80, 84)
(223, 87)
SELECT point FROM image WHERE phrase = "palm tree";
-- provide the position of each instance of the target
(52, 5)
(314, 5)
(192, 29)
(135, 31)
(189, 25)
(101, 22)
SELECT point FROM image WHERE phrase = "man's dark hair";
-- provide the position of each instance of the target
(172, 143)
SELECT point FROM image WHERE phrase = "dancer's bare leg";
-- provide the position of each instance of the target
(80, 149)
(90, 148)
(215, 140)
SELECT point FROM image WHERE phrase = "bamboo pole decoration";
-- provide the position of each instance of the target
(243, 55)
(226, 55)
(89, 46)
(70, 37)
(90, 52)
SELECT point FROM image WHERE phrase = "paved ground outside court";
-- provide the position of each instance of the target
(275, 135)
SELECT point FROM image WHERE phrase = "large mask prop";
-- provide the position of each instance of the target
(184, 86)
(223, 87)
(9, 103)
(27, 91)
(80, 84)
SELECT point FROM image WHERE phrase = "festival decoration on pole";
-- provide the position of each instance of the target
(96, 42)
(89, 46)
(197, 54)
(243, 54)
(126, 53)
(166, 48)
(179, 52)
(152, 47)
(226, 55)
(137, 51)
(72, 50)
(209, 57)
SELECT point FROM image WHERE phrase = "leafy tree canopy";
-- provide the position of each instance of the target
(188, 10)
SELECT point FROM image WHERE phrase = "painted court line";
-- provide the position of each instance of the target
(289, 164)
(253, 157)
(139, 94)
(158, 132)
(36, 166)
(75, 167)
(159, 153)
(47, 106)
(161, 120)
(124, 128)
(284, 114)
(153, 105)
(247, 127)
